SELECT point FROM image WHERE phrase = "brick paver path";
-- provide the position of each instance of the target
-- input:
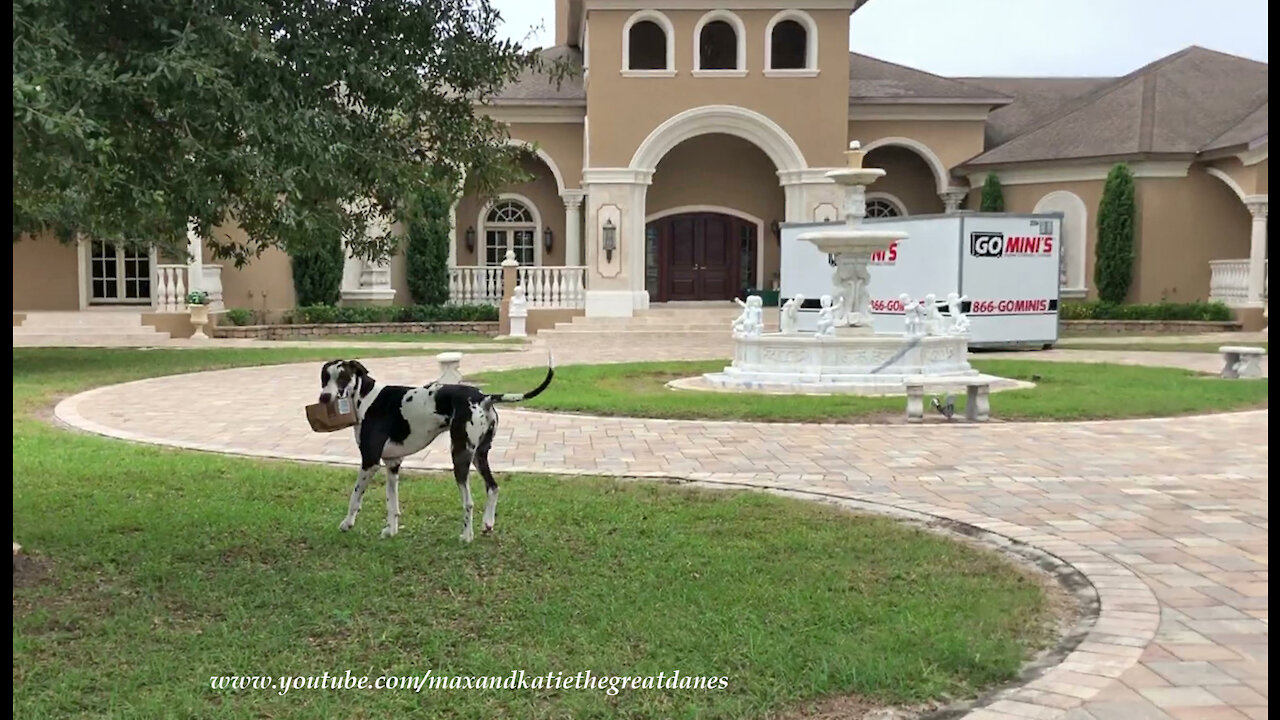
(1167, 518)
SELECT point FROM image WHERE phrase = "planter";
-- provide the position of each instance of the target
(199, 318)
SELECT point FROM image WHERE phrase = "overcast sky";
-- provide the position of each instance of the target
(1012, 37)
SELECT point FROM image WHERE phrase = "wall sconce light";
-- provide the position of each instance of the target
(610, 239)
(776, 229)
(471, 239)
(548, 238)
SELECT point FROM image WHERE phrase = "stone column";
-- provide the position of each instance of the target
(572, 226)
(615, 279)
(453, 233)
(952, 199)
(1257, 249)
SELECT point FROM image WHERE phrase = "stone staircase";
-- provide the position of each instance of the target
(90, 328)
(703, 319)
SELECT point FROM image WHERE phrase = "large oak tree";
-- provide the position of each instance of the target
(294, 117)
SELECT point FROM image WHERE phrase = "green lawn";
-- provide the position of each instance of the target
(1153, 346)
(1064, 391)
(156, 570)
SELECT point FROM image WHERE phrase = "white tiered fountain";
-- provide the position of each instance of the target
(846, 355)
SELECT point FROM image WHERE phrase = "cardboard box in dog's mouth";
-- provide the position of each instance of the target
(331, 416)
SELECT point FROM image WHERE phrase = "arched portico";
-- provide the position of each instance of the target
(941, 177)
(617, 197)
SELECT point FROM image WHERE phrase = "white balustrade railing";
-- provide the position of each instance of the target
(170, 292)
(554, 287)
(475, 285)
(1229, 281)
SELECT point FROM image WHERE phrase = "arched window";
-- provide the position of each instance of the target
(791, 44)
(720, 44)
(884, 205)
(787, 46)
(510, 225)
(647, 47)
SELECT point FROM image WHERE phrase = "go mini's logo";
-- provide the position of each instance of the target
(993, 244)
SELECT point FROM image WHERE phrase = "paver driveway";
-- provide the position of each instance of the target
(1167, 518)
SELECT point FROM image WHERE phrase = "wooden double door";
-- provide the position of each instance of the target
(699, 256)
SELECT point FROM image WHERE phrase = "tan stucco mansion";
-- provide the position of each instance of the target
(697, 126)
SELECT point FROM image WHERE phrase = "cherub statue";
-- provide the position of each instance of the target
(959, 323)
(751, 322)
(845, 278)
(789, 319)
(519, 307)
(909, 313)
(934, 323)
(827, 318)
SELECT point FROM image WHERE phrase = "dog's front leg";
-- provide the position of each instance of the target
(461, 473)
(357, 494)
(393, 500)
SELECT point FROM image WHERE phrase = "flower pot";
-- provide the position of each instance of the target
(199, 318)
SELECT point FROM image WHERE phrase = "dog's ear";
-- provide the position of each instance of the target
(357, 368)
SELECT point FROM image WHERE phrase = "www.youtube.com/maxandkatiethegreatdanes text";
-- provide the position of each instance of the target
(428, 680)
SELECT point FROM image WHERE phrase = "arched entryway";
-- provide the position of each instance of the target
(700, 256)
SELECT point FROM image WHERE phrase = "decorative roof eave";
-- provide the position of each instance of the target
(1250, 153)
(1169, 165)
(992, 102)
(972, 167)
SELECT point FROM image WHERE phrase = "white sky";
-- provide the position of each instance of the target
(1012, 37)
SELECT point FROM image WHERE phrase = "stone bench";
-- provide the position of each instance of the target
(450, 367)
(978, 389)
(1240, 361)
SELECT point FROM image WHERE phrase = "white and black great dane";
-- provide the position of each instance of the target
(395, 421)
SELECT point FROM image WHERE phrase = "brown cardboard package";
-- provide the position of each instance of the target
(328, 417)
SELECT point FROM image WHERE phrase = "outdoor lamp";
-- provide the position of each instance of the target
(776, 229)
(610, 239)
(548, 238)
(471, 239)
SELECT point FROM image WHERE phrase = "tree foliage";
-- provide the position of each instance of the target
(317, 269)
(1113, 266)
(992, 195)
(295, 119)
(426, 222)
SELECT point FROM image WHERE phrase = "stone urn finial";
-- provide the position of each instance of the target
(855, 155)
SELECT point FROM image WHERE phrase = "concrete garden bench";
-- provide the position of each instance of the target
(977, 409)
(1239, 361)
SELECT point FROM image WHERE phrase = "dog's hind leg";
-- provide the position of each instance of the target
(357, 495)
(393, 499)
(490, 485)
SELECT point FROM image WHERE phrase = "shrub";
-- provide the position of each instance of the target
(992, 195)
(239, 316)
(329, 314)
(1103, 310)
(1113, 271)
(317, 270)
(427, 249)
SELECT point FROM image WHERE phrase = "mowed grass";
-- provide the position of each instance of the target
(1201, 347)
(1064, 391)
(418, 338)
(157, 569)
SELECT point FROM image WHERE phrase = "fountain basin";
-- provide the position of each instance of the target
(858, 243)
(852, 364)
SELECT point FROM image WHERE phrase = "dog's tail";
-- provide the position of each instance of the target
(519, 397)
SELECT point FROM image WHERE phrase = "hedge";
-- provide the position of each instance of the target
(327, 314)
(1101, 310)
(240, 316)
